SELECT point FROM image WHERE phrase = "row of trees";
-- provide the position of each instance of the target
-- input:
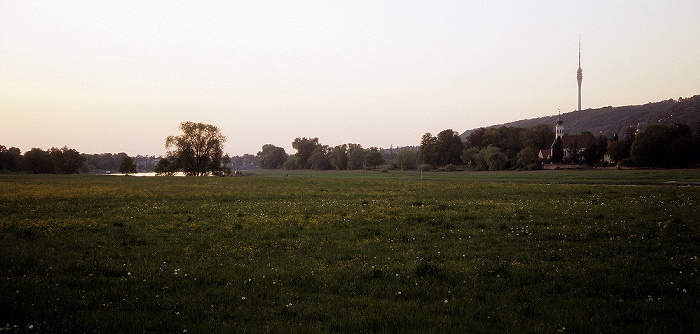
(61, 161)
(487, 148)
(658, 145)
(55, 160)
(311, 154)
(199, 151)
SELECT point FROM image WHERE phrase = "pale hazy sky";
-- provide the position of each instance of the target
(119, 76)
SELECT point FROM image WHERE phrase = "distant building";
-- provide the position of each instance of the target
(583, 141)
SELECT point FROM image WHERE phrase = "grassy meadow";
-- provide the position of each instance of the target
(367, 252)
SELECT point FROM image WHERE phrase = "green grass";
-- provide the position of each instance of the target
(595, 176)
(351, 252)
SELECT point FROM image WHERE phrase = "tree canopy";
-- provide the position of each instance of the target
(199, 149)
(441, 150)
(305, 147)
(127, 166)
(272, 157)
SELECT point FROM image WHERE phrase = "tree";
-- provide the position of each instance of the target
(651, 146)
(39, 161)
(684, 148)
(557, 151)
(373, 158)
(319, 158)
(469, 155)
(406, 160)
(127, 166)
(10, 159)
(508, 139)
(165, 167)
(448, 148)
(594, 154)
(528, 159)
(356, 156)
(290, 163)
(67, 160)
(305, 147)
(441, 150)
(475, 138)
(495, 159)
(539, 136)
(339, 157)
(272, 157)
(574, 151)
(199, 149)
(426, 153)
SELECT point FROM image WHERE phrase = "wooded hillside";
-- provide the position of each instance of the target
(610, 120)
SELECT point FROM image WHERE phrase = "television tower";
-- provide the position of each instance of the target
(579, 76)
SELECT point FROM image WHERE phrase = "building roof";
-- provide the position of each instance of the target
(584, 141)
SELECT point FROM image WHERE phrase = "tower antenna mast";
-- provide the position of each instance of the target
(579, 75)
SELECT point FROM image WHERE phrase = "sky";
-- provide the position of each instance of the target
(120, 76)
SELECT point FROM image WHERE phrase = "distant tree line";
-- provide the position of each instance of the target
(486, 148)
(510, 148)
(658, 145)
(52, 161)
(311, 154)
(68, 161)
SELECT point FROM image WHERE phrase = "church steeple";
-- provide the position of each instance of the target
(559, 127)
(579, 75)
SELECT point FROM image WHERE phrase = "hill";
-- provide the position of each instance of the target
(610, 120)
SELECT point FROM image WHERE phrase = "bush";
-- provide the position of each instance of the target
(425, 167)
(450, 168)
(627, 162)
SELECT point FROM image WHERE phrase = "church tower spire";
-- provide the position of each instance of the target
(579, 75)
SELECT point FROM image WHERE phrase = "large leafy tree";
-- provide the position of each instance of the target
(339, 157)
(557, 151)
(39, 161)
(10, 159)
(127, 166)
(495, 159)
(527, 159)
(426, 154)
(199, 149)
(165, 167)
(373, 158)
(574, 150)
(305, 147)
(651, 146)
(319, 158)
(68, 160)
(272, 157)
(476, 138)
(539, 136)
(356, 156)
(448, 148)
(443, 149)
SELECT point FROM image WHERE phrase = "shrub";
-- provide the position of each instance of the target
(425, 167)
(450, 168)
